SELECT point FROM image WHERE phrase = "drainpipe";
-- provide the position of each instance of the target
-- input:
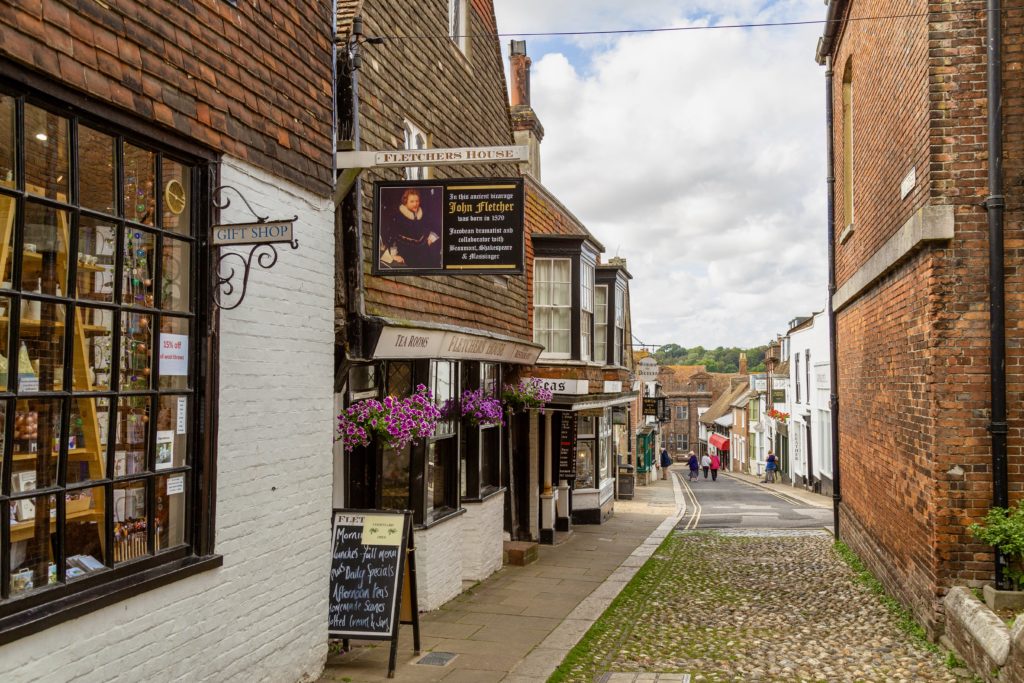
(355, 319)
(833, 355)
(994, 205)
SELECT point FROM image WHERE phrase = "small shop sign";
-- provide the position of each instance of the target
(565, 386)
(449, 156)
(264, 232)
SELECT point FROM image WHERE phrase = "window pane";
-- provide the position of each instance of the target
(585, 465)
(30, 549)
(440, 468)
(561, 294)
(130, 521)
(95, 260)
(172, 432)
(171, 498)
(139, 184)
(36, 440)
(132, 436)
(174, 341)
(399, 379)
(41, 359)
(136, 340)
(8, 209)
(560, 342)
(87, 443)
(46, 154)
(85, 531)
(8, 170)
(561, 319)
(444, 395)
(395, 479)
(177, 197)
(97, 170)
(177, 259)
(137, 280)
(93, 343)
(490, 457)
(44, 259)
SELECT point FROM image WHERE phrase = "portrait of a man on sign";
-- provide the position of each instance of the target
(410, 228)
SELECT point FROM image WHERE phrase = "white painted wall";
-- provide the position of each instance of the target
(263, 615)
(813, 398)
(483, 530)
(439, 562)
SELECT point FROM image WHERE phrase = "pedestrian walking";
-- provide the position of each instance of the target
(705, 464)
(716, 464)
(666, 462)
(769, 469)
(692, 462)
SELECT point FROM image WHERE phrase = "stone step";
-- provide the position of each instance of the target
(520, 553)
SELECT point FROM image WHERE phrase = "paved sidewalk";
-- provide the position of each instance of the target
(517, 625)
(800, 494)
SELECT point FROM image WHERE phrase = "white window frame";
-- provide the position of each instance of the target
(587, 272)
(415, 138)
(544, 335)
(601, 325)
(458, 22)
(620, 325)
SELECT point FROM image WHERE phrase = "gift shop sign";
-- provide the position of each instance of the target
(265, 232)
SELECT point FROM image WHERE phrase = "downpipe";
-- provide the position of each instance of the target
(833, 353)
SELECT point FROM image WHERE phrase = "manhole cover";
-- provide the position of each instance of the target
(437, 658)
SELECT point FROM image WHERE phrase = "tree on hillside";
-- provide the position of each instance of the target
(720, 359)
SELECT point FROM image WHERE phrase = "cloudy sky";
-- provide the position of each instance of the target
(697, 155)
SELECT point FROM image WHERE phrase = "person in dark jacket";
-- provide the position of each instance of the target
(694, 466)
(666, 462)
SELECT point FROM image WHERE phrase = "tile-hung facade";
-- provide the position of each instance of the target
(579, 311)
(157, 451)
(911, 260)
(449, 333)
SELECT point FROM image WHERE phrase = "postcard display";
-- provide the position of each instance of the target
(39, 367)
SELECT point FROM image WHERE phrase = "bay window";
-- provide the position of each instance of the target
(552, 306)
(586, 310)
(601, 324)
(620, 324)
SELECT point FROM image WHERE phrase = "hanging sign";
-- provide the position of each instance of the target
(449, 227)
(448, 156)
(650, 406)
(264, 232)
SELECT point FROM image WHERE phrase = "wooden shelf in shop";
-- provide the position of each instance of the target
(29, 325)
(34, 257)
(73, 453)
(23, 531)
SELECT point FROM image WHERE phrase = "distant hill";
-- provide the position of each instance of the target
(715, 360)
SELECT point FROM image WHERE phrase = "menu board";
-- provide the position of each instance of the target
(367, 564)
(567, 446)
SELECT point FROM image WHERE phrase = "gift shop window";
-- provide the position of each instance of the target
(98, 356)
(481, 443)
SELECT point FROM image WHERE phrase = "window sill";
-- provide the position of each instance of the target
(50, 614)
(485, 497)
(441, 520)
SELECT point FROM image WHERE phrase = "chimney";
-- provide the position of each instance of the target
(526, 128)
(743, 363)
(617, 261)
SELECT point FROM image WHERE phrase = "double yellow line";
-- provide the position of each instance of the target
(691, 497)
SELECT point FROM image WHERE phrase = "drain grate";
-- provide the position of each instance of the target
(437, 658)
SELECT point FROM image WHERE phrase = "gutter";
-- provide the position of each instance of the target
(832, 22)
(833, 353)
(994, 205)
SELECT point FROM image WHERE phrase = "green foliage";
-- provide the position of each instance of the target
(1004, 530)
(715, 360)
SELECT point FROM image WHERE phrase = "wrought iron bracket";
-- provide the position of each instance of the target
(233, 277)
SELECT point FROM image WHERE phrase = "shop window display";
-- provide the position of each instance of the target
(586, 464)
(96, 472)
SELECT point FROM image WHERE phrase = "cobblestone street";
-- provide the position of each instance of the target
(750, 606)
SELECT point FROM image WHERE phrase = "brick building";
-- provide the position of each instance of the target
(397, 329)
(688, 391)
(910, 154)
(140, 542)
(579, 312)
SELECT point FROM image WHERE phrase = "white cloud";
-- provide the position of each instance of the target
(697, 155)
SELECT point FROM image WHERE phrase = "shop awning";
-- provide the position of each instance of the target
(719, 442)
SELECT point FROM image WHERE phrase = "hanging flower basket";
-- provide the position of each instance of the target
(395, 422)
(529, 393)
(777, 415)
(482, 410)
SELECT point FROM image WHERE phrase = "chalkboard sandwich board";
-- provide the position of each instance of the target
(371, 567)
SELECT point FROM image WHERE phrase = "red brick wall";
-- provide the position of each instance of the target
(913, 363)
(459, 101)
(253, 81)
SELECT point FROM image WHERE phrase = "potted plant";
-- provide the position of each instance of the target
(481, 409)
(1003, 529)
(528, 393)
(395, 422)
